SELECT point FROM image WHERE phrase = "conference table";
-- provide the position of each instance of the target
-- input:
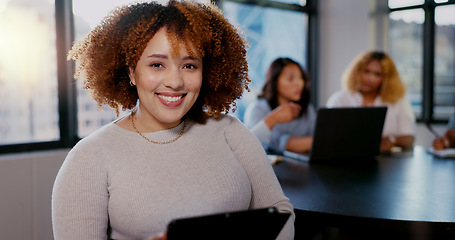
(400, 194)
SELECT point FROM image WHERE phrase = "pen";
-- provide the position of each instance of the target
(432, 130)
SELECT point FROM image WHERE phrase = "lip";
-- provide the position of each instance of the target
(366, 85)
(298, 94)
(171, 99)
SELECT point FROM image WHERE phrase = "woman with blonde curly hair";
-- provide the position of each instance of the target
(179, 67)
(373, 80)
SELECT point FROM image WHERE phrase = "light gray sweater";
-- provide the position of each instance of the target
(115, 184)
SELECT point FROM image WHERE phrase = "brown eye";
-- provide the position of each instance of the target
(157, 65)
(190, 66)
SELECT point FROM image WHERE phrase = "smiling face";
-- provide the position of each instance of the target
(371, 78)
(290, 84)
(168, 82)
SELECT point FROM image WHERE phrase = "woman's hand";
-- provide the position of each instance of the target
(402, 143)
(161, 236)
(386, 144)
(440, 143)
(283, 113)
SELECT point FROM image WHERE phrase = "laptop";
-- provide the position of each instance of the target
(352, 133)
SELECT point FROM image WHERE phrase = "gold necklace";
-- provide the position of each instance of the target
(173, 140)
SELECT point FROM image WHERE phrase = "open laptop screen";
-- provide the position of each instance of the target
(347, 133)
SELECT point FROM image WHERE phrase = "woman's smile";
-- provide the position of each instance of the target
(171, 99)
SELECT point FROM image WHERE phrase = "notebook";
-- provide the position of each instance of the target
(444, 153)
(263, 223)
(352, 133)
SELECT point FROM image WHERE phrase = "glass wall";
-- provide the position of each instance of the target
(404, 3)
(268, 39)
(422, 41)
(444, 90)
(28, 72)
(298, 2)
(88, 14)
(405, 48)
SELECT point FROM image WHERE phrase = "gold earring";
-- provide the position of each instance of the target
(131, 83)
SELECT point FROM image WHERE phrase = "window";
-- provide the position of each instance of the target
(405, 47)
(88, 14)
(268, 39)
(404, 3)
(422, 42)
(299, 2)
(28, 72)
(444, 70)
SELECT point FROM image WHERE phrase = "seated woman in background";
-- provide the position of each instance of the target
(373, 80)
(282, 117)
(448, 140)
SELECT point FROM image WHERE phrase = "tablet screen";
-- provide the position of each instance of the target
(264, 224)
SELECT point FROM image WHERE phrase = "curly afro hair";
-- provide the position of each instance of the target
(104, 57)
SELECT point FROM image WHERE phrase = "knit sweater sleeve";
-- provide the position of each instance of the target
(254, 120)
(80, 197)
(266, 190)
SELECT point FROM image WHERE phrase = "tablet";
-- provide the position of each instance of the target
(264, 224)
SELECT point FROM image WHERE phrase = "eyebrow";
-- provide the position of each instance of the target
(158, 56)
(164, 56)
(190, 58)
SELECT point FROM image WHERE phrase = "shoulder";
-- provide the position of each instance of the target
(224, 121)
(235, 133)
(97, 141)
(260, 103)
(339, 97)
(311, 111)
(344, 94)
(311, 108)
(229, 125)
(402, 104)
(402, 108)
(256, 111)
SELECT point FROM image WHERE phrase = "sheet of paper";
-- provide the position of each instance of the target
(447, 153)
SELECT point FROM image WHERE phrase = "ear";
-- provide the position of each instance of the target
(131, 75)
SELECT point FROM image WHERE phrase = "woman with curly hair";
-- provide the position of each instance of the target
(282, 117)
(179, 67)
(373, 80)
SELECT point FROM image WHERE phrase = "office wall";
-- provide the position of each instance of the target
(344, 33)
(25, 194)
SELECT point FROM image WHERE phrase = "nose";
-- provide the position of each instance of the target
(174, 79)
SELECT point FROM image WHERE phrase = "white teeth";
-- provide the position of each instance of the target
(170, 99)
